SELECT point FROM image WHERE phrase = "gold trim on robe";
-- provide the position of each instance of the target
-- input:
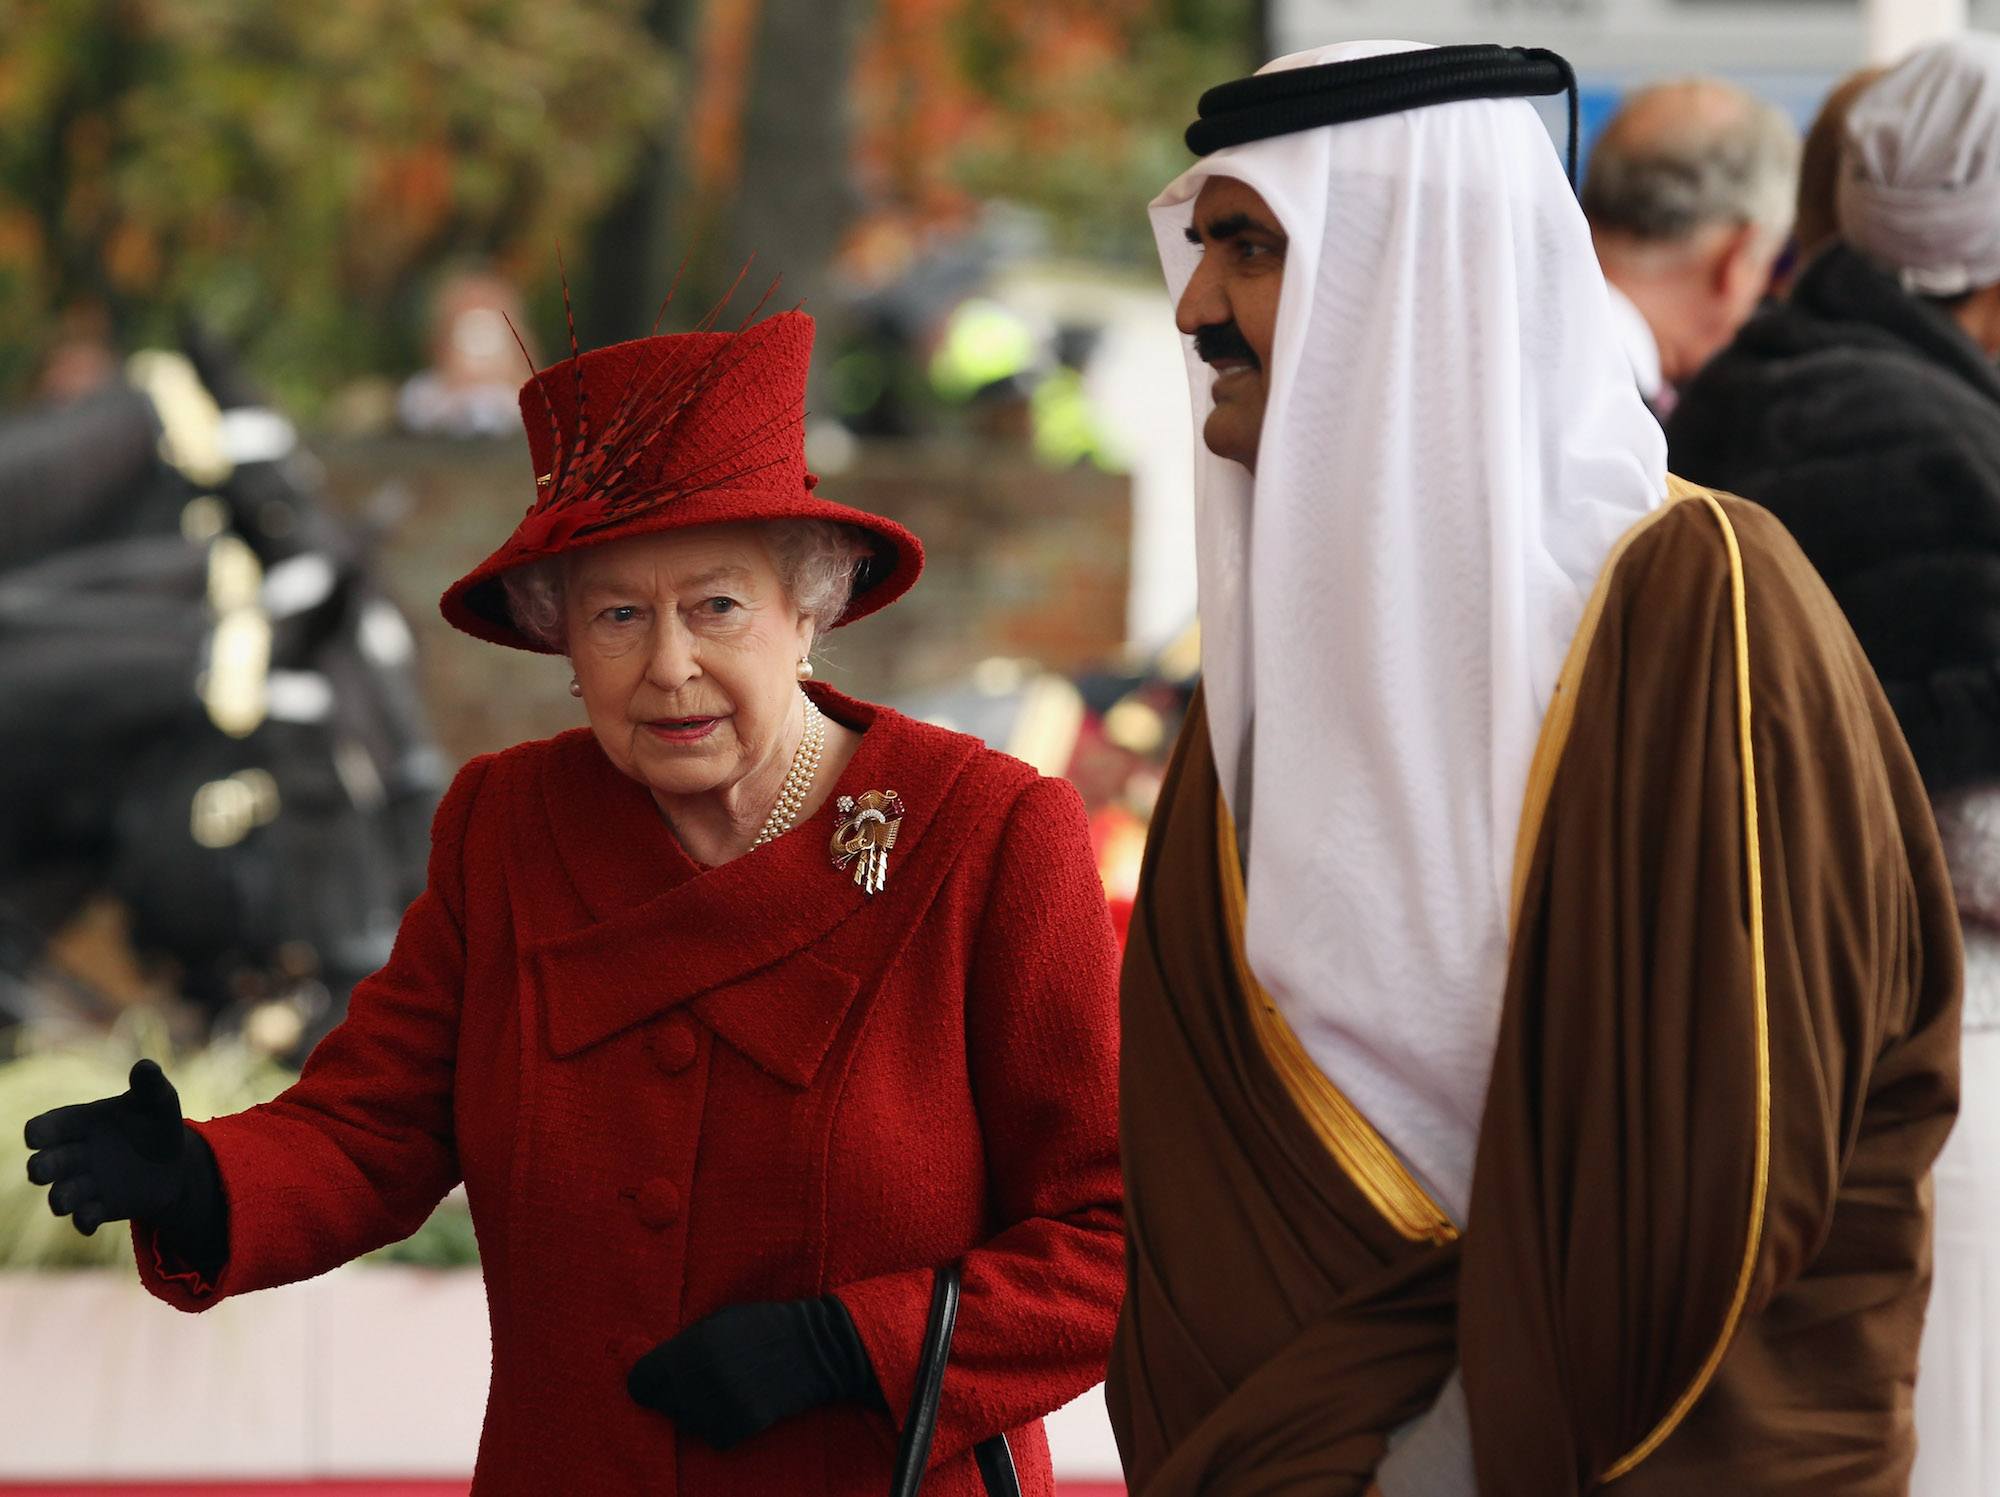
(1363, 1155)
(1561, 713)
(1541, 778)
(1760, 1183)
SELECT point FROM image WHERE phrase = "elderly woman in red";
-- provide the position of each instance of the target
(739, 1012)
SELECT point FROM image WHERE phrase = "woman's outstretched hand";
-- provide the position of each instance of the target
(132, 1158)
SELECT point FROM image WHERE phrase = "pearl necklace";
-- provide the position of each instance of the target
(798, 783)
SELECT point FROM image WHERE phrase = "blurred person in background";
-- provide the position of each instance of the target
(740, 1012)
(1689, 196)
(1816, 224)
(1865, 413)
(81, 359)
(1540, 1008)
(467, 390)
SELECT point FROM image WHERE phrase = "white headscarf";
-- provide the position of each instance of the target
(1920, 168)
(1452, 444)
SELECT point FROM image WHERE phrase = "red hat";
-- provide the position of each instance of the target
(665, 433)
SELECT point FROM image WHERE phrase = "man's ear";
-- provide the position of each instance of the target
(1739, 259)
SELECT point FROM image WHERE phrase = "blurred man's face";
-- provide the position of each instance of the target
(1733, 275)
(1230, 309)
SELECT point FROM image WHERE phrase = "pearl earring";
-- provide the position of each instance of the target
(575, 687)
(805, 668)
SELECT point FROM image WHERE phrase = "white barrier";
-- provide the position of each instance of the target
(368, 1371)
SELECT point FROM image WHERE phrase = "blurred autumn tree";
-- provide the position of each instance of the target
(297, 174)
(1072, 107)
(824, 133)
(759, 163)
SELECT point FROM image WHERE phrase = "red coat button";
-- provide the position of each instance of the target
(658, 1204)
(674, 1046)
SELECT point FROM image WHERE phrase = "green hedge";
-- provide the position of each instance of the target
(220, 1078)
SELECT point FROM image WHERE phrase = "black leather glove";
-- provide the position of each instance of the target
(132, 1158)
(739, 1371)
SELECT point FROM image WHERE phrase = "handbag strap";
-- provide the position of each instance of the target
(913, 1446)
(996, 1467)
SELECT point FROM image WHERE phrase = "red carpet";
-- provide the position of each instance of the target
(339, 1489)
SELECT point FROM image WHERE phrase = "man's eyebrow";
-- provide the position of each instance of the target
(1229, 226)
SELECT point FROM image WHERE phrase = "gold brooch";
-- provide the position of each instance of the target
(865, 835)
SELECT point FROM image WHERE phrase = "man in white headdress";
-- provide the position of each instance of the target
(1541, 1005)
(1865, 413)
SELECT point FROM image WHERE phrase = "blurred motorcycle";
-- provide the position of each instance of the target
(208, 709)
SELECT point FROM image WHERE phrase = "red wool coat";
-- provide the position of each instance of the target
(671, 1089)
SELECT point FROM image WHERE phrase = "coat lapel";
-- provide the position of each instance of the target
(650, 931)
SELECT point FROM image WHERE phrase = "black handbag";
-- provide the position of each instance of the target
(913, 1448)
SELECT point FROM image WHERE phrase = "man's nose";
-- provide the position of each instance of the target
(1202, 304)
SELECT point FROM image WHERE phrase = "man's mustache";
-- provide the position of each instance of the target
(1224, 340)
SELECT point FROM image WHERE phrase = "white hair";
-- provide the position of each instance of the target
(1682, 156)
(817, 562)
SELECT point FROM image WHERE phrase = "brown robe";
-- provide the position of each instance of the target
(1697, 1252)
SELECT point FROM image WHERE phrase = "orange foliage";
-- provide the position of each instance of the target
(715, 125)
(918, 109)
